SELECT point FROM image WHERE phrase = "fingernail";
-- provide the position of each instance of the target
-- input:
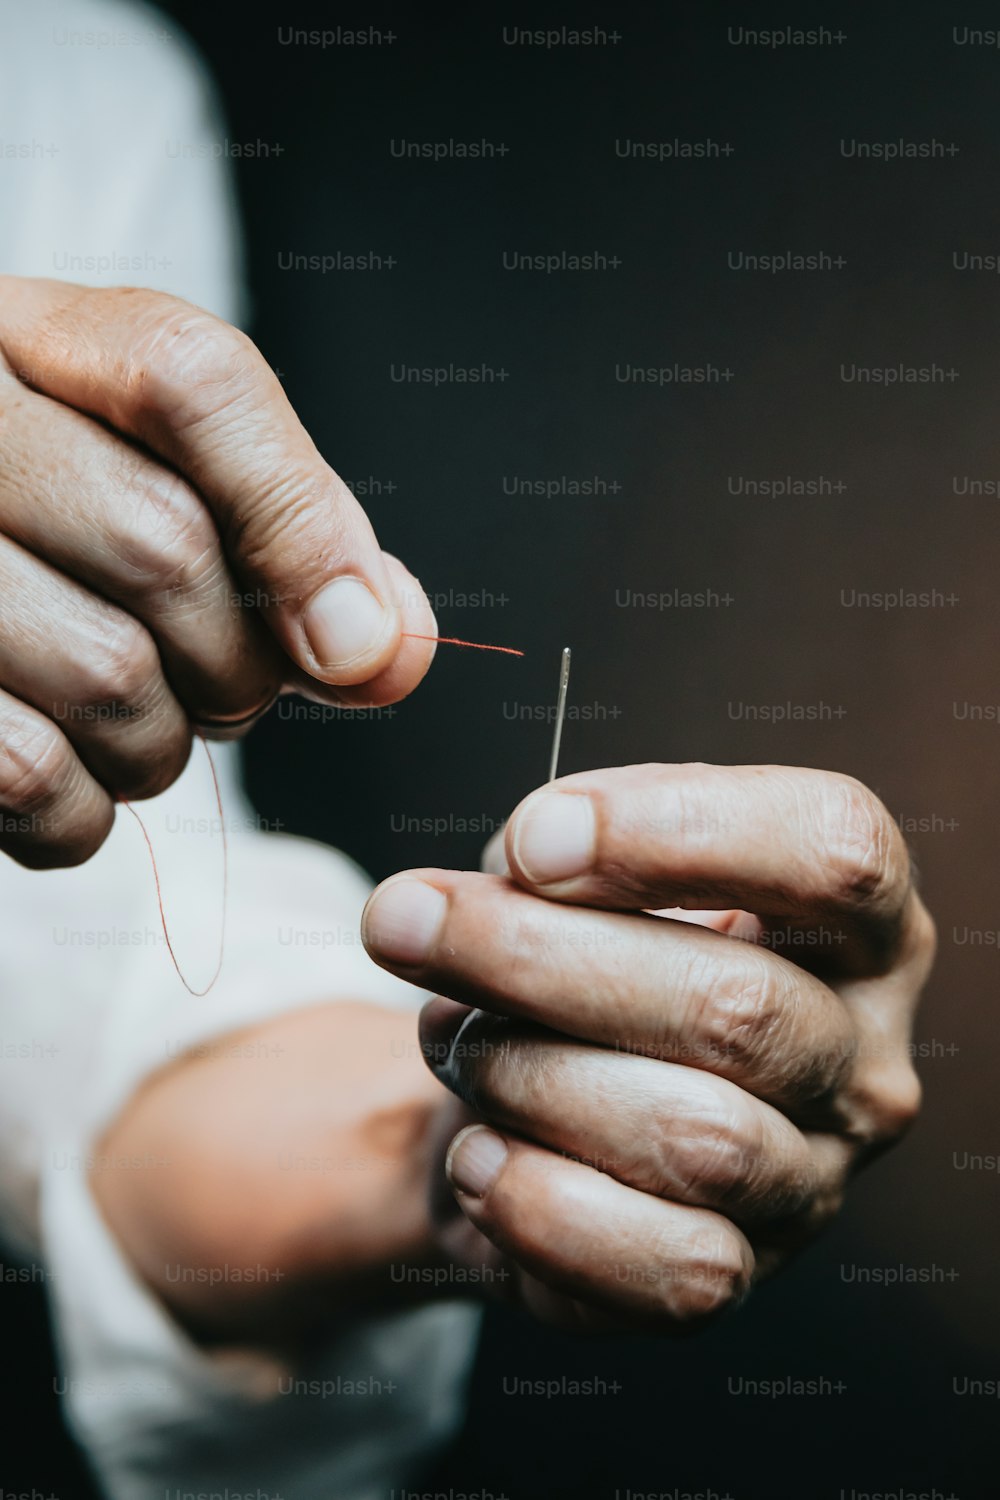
(344, 623)
(402, 920)
(555, 837)
(474, 1160)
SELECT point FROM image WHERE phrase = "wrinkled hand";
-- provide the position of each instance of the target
(675, 1102)
(173, 553)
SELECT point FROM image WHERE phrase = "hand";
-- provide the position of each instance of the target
(676, 1103)
(173, 553)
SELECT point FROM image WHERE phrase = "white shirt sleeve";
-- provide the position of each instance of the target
(98, 985)
(112, 155)
(89, 1001)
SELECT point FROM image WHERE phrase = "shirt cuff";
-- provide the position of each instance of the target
(153, 1410)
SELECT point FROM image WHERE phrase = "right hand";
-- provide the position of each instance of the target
(174, 552)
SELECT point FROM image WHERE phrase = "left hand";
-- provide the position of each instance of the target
(678, 1101)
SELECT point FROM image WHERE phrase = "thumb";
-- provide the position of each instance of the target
(199, 394)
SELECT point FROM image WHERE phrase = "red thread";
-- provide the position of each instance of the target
(452, 640)
(225, 882)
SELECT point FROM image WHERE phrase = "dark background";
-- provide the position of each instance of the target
(663, 684)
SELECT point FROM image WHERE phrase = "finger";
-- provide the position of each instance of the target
(94, 671)
(880, 1097)
(816, 854)
(413, 658)
(199, 394)
(103, 512)
(637, 983)
(673, 1131)
(652, 1263)
(52, 811)
(780, 841)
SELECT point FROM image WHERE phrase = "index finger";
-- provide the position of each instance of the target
(777, 841)
(198, 392)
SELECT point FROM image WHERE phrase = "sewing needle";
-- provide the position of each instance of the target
(560, 711)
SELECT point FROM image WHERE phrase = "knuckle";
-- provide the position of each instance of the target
(711, 1163)
(49, 829)
(187, 365)
(862, 848)
(172, 541)
(740, 1013)
(715, 1278)
(35, 761)
(882, 1107)
(118, 666)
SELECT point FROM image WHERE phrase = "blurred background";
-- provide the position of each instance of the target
(758, 507)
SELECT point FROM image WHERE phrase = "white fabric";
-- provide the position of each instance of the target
(89, 1002)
